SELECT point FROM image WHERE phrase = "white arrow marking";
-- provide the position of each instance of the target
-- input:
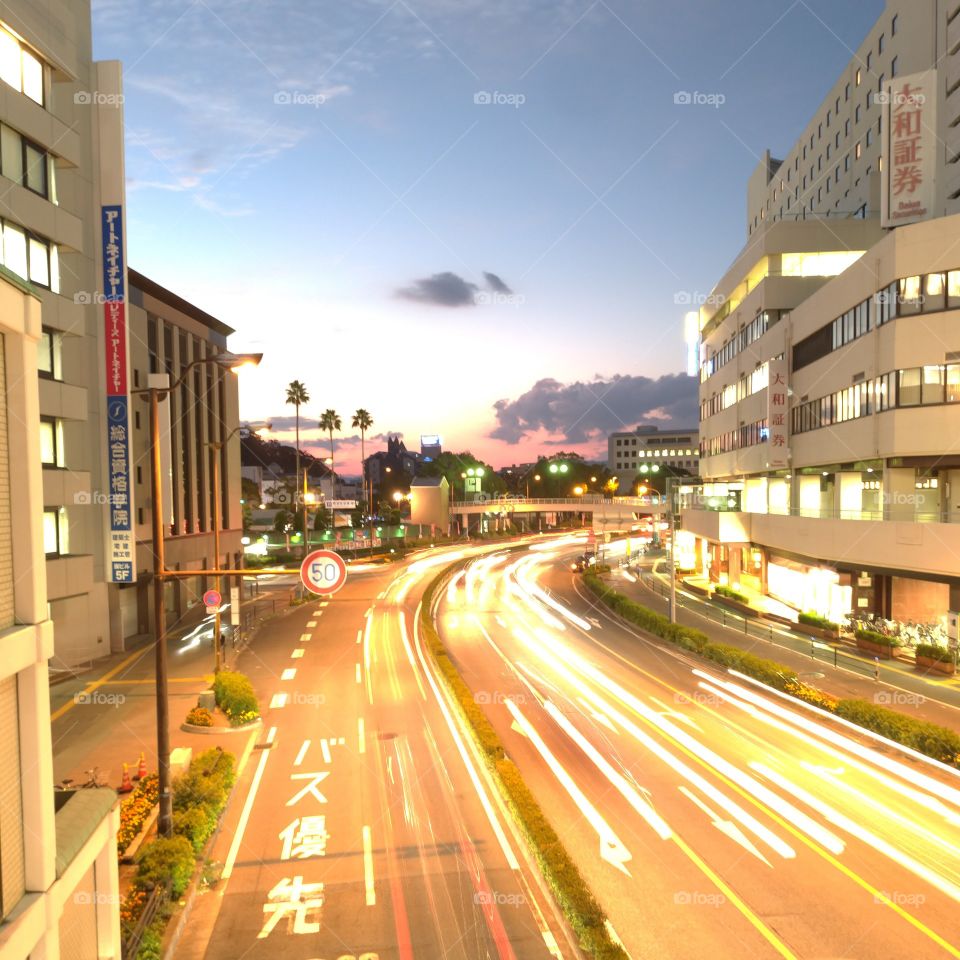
(597, 715)
(726, 826)
(682, 717)
(611, 847)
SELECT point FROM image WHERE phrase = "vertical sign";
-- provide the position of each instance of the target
(120, 546)
(909, 148)
(777, 410)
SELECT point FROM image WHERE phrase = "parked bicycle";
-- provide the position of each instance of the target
(94, 780)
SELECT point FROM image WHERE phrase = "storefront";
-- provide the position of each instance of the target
(818, 589)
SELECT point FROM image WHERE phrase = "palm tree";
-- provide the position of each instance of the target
(362, 421)
(297, 394)
(330, 421)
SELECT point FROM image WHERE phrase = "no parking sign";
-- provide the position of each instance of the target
(323, 572)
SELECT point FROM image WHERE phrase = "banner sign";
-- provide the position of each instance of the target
(120, 542)
(909, 148)
(778, 401)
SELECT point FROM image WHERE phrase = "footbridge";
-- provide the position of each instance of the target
(605, 513)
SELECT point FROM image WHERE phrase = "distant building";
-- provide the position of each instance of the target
(628, 451)
(430, 447)
(395, 459)
(430, 502)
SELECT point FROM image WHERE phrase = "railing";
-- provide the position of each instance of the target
(157, 897)
(889, 513)
(573, 503)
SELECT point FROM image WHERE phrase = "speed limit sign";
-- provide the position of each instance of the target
(323, 572)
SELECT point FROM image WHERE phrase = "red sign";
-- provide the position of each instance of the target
(323, 572)
(212, 599)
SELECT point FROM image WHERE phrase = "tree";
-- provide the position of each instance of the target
(454, 465)
(330, 421)
(362, 421)
(297, 394)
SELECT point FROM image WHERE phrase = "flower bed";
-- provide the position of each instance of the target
(135, 810)
(235, 697)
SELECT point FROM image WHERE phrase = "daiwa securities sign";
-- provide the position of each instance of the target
(909, 148)
(120, 566)
(778, 408)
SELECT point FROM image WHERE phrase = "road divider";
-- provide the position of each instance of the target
(582, 911)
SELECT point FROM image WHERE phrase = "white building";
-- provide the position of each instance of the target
(635, 453)
(830, 352)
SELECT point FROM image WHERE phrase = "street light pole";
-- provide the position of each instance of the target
(671, 498)
(218, 660)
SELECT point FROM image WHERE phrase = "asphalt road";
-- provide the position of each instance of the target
(362, 826)
(710, 817)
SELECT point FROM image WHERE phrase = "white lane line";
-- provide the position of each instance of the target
(325, 750)
(358, 673)
(311, 624)
(368, 867)
(305, 637)
(297, 654)
(361, 736)
(359, 636)
(289, 673)
(278, 700)
(302, 753)
(406, 646)
(247, 808)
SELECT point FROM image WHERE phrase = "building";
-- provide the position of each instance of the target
(829, 373)
(430, 503)
(396, 459)
(58, 861)
(629, 452)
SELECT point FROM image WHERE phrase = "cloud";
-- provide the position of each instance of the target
(583, 411)
(495, 283)
(442, 289)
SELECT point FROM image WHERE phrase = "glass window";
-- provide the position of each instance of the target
(32, 77)
(54, 268)
(932, 390)
(933, 289)
(48, 442)
(15, 250)
(953, 288)
(51, 538)
(39, 262)
(908, 389)
(11, 154)
(953, 382)
(35, 168)
(48, 354)
(10, 68)
(909, 298)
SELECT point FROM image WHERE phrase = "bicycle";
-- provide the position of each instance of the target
(94, 781)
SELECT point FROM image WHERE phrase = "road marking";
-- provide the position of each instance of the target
(359, 636)
(361, 736)
(725, 826)
(406, 646)
(90, 687)
(289, 673)
(304, 637)
(368, 867)
(325, 750)
(297, 654)
(358, 673)
(278, 700)
(311, 624)
(302, 753)
(247, 808)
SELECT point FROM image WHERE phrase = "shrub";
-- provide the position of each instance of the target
(879, 639)
(934, 651)
(151, 945)
(206, 783)
(200, 717)
(927, 738)
(731, 594)
(166, 859)
(196, 824)
(815, 620)
(235, 697)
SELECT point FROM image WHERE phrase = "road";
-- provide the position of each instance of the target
(710, 817)
(362, 826)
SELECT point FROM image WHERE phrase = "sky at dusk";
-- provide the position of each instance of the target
(479, 219)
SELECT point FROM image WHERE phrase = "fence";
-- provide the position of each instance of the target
(157, 897)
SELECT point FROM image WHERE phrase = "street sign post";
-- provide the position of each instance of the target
(212, 601)
(323, 572)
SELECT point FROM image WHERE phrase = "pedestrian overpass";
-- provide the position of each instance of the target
(613, 513)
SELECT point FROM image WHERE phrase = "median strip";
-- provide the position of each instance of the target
(582, 911)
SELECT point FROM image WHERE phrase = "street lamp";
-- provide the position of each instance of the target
(230, 361)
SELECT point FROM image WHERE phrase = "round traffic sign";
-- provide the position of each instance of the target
(212, 599)
(323, 571)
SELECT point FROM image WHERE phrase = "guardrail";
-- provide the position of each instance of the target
(575, 503)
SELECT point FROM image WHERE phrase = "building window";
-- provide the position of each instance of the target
(893, 25)
(51, 442)
(55, 532)
(49, 363)
(31, 257)
(880, 41)
(893, 67)
(20, 68)
(908, 387)
(857, 77)
(869, 59)
(856, 114)
(869, 136)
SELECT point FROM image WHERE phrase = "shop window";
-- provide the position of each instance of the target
(908, 387)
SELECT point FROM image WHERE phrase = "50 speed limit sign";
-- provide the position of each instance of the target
(323, 572)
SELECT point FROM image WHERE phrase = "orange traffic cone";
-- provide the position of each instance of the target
(141, 768)
(127, 784)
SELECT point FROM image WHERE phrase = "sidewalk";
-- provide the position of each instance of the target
(899, 686)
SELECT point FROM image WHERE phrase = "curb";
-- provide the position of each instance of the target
(214, 731)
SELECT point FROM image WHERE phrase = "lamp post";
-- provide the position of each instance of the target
(216, 446)
(233, 362)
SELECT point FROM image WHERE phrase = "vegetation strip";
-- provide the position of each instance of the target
(939, 743)
(577, 902)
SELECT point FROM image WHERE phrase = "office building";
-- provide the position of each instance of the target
(672, 451)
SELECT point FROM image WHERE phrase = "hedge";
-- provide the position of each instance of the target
(880, 639)
(166, 859)
(582, 911)
(732, 594)
(815, 620)
(235, 697)
(939, 743)
(933, 651)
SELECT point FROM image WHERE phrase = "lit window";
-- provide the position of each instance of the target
(11, 154)
(32, 77)
(48, 442)
(10, 64)
(55, 532)
(39, 262)
(15, 250)
(857, 78)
